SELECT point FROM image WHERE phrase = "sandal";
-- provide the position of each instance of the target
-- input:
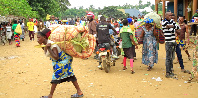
(132, 72)
(76, 95)
(176, 62)
(186, 71)
(189, 58)
(149, 68)
(44, 97)
(124, 68)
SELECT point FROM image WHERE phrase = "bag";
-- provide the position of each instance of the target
(138, 33)
(161, 37)
(18, 29)
(79, 43)
(153, 15)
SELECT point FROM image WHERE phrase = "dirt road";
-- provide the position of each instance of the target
(25, 72)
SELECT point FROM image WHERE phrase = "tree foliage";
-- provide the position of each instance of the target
(17, 8)
(59, 8)
(112, 11)
(44, 7)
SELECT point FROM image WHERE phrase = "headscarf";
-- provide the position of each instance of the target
(148, 20)
(46, 32)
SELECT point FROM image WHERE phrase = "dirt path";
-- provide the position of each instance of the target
(25, 72)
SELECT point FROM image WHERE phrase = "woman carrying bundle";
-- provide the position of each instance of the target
(149, 51)
(62, 64)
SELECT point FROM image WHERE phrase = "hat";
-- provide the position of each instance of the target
(47, 32)
(129, 20)
(91, 14)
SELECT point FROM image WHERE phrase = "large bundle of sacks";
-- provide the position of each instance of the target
(153, 15)
(78, 43)
(156, 19)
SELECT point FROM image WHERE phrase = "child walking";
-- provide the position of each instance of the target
(149, 50)
(127, 40)
(16, 35)
(30, 26)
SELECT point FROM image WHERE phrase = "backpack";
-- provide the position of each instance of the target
(18, 29)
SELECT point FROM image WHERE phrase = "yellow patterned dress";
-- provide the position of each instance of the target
(62, 67)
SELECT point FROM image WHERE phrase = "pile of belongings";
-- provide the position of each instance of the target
(74, 40)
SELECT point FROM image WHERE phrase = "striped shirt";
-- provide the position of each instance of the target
(169, 33)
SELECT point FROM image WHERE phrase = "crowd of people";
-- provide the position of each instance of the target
(108, 32)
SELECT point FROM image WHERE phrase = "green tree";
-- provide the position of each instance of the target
(112, 11)
(52, 7)
(16, 8)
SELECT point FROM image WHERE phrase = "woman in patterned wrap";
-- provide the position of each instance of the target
(149, 50)
(62, 64)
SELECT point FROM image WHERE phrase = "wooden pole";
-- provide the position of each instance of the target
(195, 4)
(175, 9)
(163, 9)
(186, 10)
(156, 6)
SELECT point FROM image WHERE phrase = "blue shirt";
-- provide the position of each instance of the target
(110, 30)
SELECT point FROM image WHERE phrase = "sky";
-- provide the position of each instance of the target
(102, 3)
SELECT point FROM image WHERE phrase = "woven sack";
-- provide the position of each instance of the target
(71, 33)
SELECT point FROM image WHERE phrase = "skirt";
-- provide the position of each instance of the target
(9, 35)
(129, 52)
(63, 69)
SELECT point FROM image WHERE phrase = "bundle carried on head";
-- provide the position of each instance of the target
(153, 15)
(151, 18)
(74, 40)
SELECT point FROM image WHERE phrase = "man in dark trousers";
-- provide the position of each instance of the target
(103, 35)
(169, 26)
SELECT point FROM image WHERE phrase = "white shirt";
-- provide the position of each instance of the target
(47, 24)
(52, 46)
(8, 28)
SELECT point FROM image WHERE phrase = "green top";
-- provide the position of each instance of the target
(139, 20)
(125, 33)
(13, 28)
(195, 15)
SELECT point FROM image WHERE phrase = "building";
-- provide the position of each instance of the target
(185, 8)
(131, 12)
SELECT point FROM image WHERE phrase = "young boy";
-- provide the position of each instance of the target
(30, 26)
(127, 40)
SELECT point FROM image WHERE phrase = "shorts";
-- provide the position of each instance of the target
(129, 52)
(182, 43)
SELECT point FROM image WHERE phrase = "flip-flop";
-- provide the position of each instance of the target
(186, 71)
(124, 68)
(76, 95)
(44, 97)
(132, 72)
(189, 58)
(149, 68)
(176, 62)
